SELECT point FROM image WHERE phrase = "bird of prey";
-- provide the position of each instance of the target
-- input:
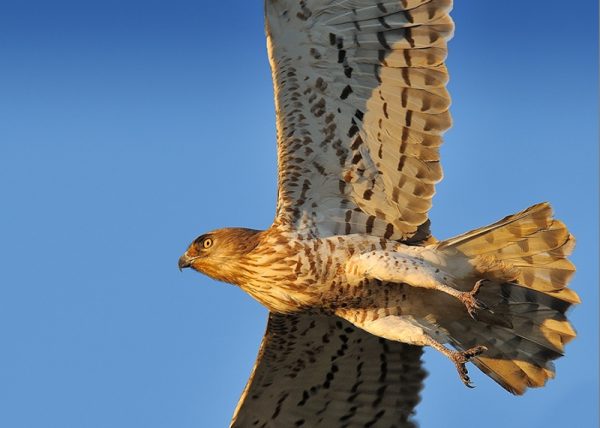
(353, 279)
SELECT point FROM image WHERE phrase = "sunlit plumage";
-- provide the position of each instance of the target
(354, 281)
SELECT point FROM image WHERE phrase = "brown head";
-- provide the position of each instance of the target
(220, 254)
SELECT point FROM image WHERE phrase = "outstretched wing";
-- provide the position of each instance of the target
(320, 371)
(361, 106)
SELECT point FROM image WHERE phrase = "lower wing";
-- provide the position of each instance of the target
(316, 370)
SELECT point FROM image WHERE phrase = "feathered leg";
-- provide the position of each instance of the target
(419, 332)
(412, 269)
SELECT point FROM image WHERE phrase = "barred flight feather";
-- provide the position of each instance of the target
(361, 101)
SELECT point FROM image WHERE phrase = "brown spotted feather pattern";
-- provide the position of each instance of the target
(292, 385)
(353, 280)
(361, 105)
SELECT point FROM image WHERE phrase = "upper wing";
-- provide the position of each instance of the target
(315, 370)
(361, 105)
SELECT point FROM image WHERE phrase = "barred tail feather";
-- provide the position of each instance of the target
(532, 332)
(531, 244)
(524, 259)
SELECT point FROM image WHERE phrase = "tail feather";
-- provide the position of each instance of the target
(514, 376)
(531, 245)
(516, 358)
(497, 235)
(524, 258)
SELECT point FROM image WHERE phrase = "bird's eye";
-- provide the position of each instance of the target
(207, 243)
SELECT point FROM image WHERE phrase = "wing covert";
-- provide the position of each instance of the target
(315, 370)
(361, 103)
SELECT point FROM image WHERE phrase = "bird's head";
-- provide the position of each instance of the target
(219, 253)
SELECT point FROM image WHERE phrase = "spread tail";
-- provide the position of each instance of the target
(523, 261)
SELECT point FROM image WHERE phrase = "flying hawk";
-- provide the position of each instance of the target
(354, 281)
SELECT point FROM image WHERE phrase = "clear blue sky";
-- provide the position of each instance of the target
(128, 128)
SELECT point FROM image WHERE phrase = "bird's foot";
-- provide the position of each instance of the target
(460, 358)
(470, 301)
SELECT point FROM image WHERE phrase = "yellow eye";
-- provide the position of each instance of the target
(207, 243)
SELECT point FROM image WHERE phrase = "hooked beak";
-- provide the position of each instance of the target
(184, 262)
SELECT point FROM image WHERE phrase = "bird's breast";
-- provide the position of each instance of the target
(295, 273)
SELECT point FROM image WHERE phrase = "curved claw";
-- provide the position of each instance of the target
(475, 351)
(461, 358)
(464, 375)
(471, 302)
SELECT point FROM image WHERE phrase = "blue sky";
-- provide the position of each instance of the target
(128, 128)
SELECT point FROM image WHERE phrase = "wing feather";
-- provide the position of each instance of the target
(361, 101)
(320, 371)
